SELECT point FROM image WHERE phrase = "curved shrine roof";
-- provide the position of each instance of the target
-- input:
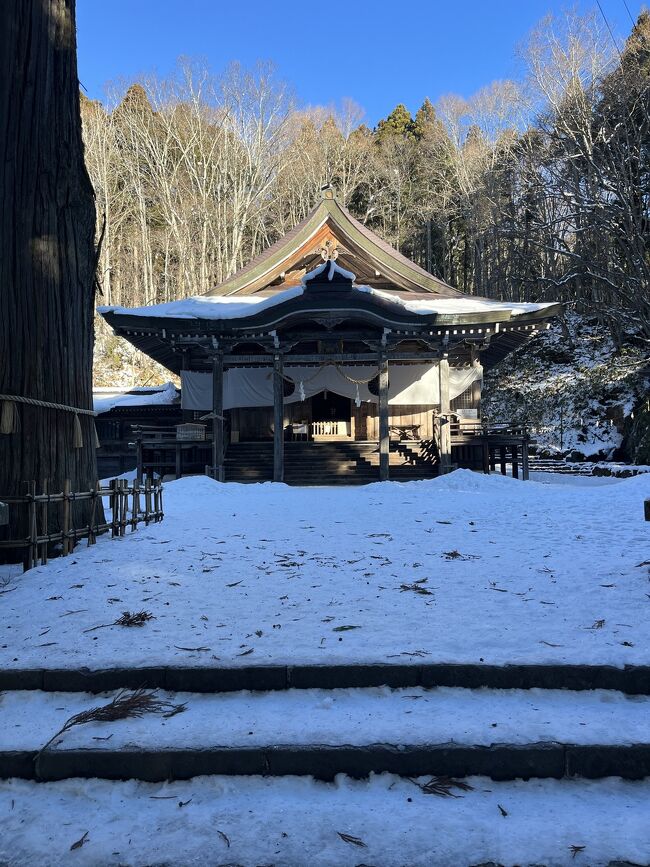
(402, 306)
(374, 261)
(290, 284)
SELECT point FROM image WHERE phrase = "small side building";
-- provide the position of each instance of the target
(121, 411)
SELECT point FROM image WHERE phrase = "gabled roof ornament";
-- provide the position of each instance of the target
(329, 252)
(328, 272)
(354, 239)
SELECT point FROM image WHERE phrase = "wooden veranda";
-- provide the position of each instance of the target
(504, 448)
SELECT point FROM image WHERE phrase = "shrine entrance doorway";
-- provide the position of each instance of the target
(331, 416)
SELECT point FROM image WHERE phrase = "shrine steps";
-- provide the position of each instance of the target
(410, 732)
(326, 463)
(549, 465)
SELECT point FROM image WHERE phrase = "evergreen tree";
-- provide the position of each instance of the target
(398, 123)
(426, 121)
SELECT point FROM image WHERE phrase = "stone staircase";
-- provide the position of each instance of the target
(508, 722)
(353, 752)
(549, 465)
(326, 463)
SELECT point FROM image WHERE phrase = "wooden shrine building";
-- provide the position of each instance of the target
(333, 338)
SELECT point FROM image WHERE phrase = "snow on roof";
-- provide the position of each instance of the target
(104, 400)
(468, 304)
(333, 269)
(210, 306)
(238, 307)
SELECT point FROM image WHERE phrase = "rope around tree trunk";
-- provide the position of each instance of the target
(32, 401)
(10, 420)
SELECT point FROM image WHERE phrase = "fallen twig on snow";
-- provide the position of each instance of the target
(348, 838)
(125, 705)
(416, 587)
(597, 624)
(442, 786)
(79, 843)
(178, 647)
(138, 618)
(456, 555)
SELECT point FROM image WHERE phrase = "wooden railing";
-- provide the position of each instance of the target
(482, 445)
(161, 451)
(461, 428)
(128, 504)
(330, 428)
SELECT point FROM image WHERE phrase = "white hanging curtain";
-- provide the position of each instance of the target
(409, 384)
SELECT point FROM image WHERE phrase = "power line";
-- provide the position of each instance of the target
(611, 33)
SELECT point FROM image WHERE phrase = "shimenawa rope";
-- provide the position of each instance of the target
(10, 420)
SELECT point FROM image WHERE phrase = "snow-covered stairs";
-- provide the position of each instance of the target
(386, 821)
(408, 774)
(550, 465)
(409, 731)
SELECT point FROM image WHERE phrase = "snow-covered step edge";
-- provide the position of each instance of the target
(295, 821)
(630, 679)
(350, 717)
(504, 734)
(325, 762)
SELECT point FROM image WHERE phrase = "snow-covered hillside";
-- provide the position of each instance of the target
(117, 364)
(578, 393)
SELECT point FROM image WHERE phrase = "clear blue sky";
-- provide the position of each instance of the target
(378, 52)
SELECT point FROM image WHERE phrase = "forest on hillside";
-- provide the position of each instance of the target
(531, 190)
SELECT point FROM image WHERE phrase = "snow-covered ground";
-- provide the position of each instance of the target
(465, 568)
(462, 568)
(295, 822)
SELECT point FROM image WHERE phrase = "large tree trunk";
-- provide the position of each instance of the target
(47, 255)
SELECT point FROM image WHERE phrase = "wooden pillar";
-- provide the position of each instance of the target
(477, 384)
(488, 457)
(139, 462)
(278, 419)
(384, 434)
(503, 460)
(445, 417)
(179, 458)
(186, 414)
(525, 471)
(217, 417)
(515, 461)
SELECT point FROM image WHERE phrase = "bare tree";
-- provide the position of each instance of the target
(530, 190)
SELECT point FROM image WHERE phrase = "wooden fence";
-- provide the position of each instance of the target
(129, 505)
